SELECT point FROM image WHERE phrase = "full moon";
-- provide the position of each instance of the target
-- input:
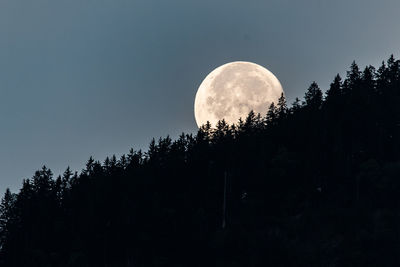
(232, 90)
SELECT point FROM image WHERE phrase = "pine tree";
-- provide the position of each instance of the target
(381, 75)
(135, 158)
(259, 122)
(58, 189)
(281, 107)
(368, 85)
(313, 96)
(7, 213)
(393, 66)
(205, 133)
(89, 167)
(43, 181)
(106, 164)
(221, 131)
(122, 162)
(353, 76)
(66, 178)
(335, 89)
(250, 121)
(296, 106)
(272, 114)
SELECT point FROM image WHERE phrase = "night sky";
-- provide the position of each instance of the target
(81, 78)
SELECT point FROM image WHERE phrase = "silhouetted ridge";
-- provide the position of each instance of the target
(314, 184)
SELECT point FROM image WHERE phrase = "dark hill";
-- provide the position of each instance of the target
(316, 184)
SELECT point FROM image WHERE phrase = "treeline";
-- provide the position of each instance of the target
(313, 184)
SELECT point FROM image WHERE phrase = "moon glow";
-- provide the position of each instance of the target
(232, 90)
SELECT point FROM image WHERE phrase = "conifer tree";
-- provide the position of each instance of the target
(7, 213)
(353, 76)
(281, 107)
(296, 106)
(313, 96)
(393, 66)
(43, 181)
(66, 178)
(272, 114)
(89, 167)
(221, 131)
(250, 121)
(335, 89)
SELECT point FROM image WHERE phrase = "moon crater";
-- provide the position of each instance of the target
(232, 90)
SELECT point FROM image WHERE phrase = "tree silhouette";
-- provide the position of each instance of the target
(281, 107)
(335, 90)
(314, 184)
(272, 114)
(7, 214)
(313, 96)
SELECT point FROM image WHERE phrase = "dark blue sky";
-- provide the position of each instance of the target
(96, 77)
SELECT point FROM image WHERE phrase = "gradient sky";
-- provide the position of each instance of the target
(96, 77)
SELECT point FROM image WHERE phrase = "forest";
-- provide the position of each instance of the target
(313, 183)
